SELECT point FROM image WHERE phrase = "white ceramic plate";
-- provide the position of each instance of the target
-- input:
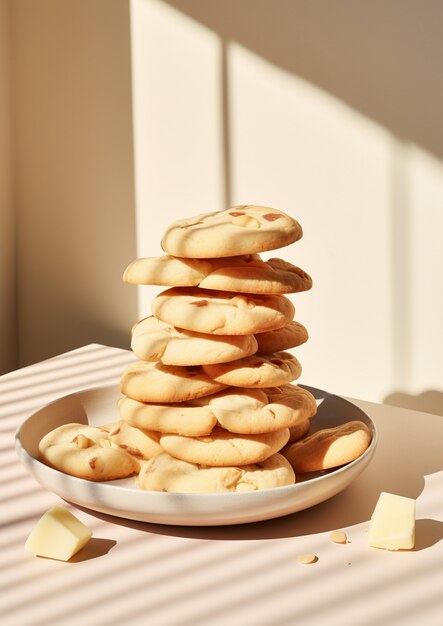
(122, 497)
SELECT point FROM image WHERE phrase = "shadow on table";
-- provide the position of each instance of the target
(428, 532)
(430, 401)
(95, 548)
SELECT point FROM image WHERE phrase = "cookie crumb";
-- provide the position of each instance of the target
(307, 558)
(338, 536)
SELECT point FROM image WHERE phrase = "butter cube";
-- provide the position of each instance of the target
(392, 525)
(58, 535)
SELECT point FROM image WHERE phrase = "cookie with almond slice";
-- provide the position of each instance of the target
(243, 229)
(222, 312)
(140, 443)
(257, 371)
(166, 473)
(290, 336)
(154, 340)
(222, 448)
(237, 409)
(245, 274)
(155, 382)
(86, 452)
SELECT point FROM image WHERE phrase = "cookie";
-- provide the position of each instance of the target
(274, 276)
(141, 443)
(154, 340)
(257, 411)
(242, 229)
(179, 419)
(155, 382)
(166, 270)
(223, 448)
(293, 396)
(174, 271)
(244, 274)
(298, 431)
(255, 371)
(238, 410)
(330, 447)
(289, 336)
(222, 312)
(273, 472)
(86, 452)
(166, 473)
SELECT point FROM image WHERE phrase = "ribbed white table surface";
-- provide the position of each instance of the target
(137, 573)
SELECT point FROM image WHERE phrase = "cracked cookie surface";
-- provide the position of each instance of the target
(223, 448)
(244, 229)
(156, 382)
(165, 473)
(245, 274)
(86, 452)
(222, 312)
(154, 340)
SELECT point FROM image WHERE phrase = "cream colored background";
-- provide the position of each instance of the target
(73, 175)
(8, 327)
(130, 115)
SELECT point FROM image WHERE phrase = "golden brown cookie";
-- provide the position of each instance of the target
(330, 447)
(173, 271)
(298, 431)
(155, 382)
(244, 274)
(222, 312)
(244, 229)
(256, 371)
(293, 396)
(168, 270)
(154, 340)
(86, 452)
(166, 473)
(257, 411)
(289, 336)
(180, 419)
(141, 443)
(223, 448)
(236, 409)
(274, 276)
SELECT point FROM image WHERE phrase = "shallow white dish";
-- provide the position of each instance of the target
(122, 498)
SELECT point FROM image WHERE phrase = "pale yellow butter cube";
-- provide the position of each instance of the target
(392, 525)
(58, 535)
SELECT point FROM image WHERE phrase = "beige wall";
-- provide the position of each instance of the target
(74, 174)
(8, 336)
(130, 114)
(178, 136)
(331, 111)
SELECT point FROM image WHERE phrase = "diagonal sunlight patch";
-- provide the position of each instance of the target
(178, 138)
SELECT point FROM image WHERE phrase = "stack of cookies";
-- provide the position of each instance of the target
(211, 405)
(213, 387)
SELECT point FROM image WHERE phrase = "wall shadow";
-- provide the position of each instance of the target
(430, 401)
(377, 57)
(74, 170)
